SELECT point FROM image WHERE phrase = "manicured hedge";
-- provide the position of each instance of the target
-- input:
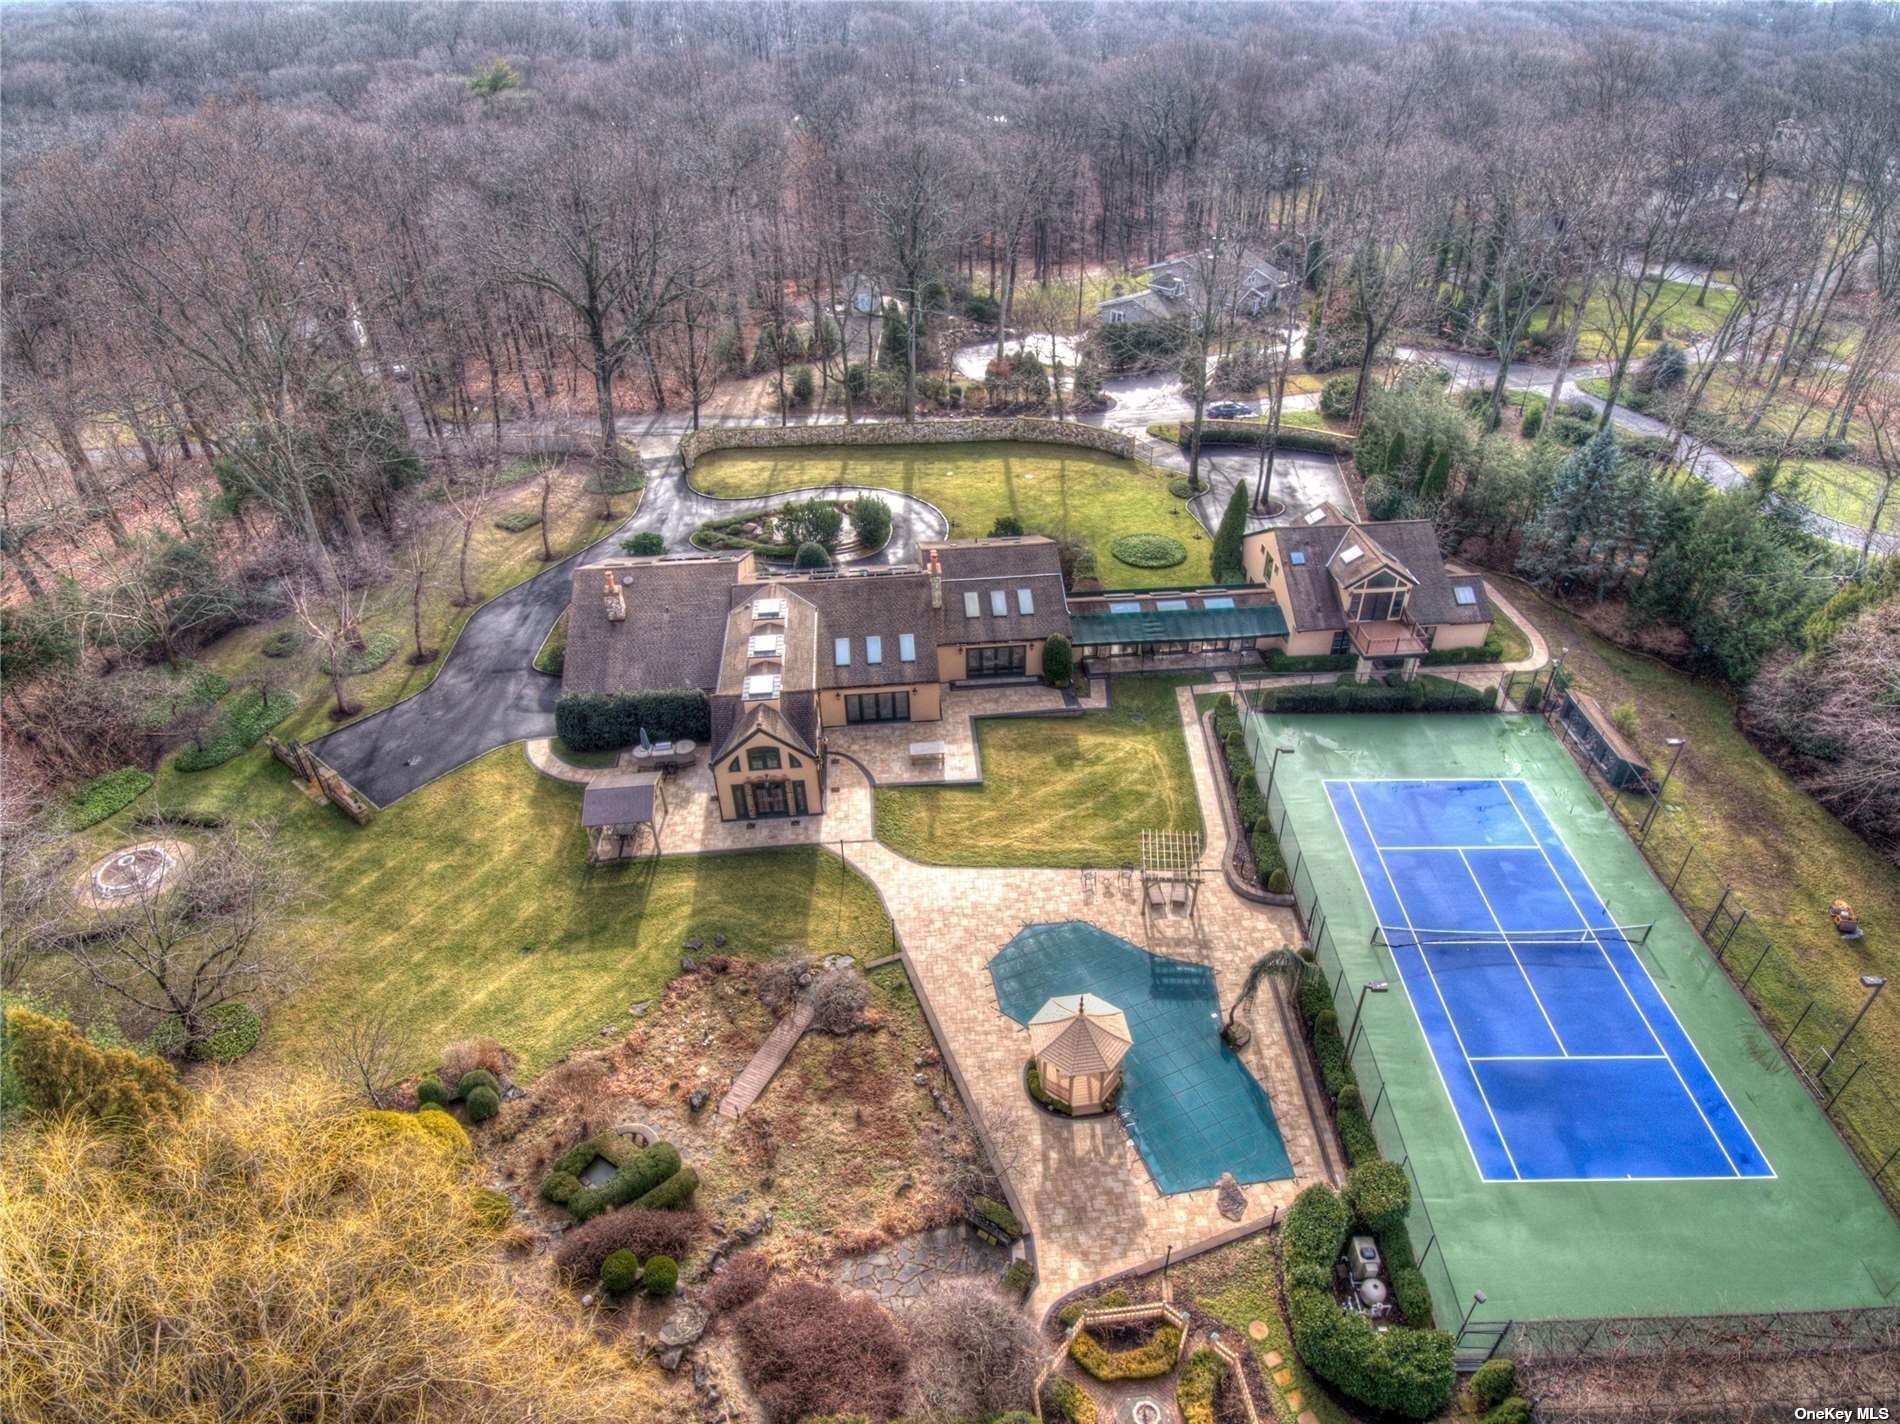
(1491, 1384)
(670, 1195)
(482, 1104)
(1149, 551)
(1066, 1402)
(1420, 695)
(581, 1249)
(1111, 1299)
(1236, 432)
(1149, 1361)
(1194, 1391)
(105, 796)
(660, 1276)
(641, 1173)
(1489, 651)
(620, 1272)
(1380, 1195)
(1279, 662)
(998, 1215)
(1409, 1372)
(599, 722)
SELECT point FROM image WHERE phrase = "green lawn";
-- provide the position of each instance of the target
(1057, 791)
(1513, 639)
(1682, 320)
(469, 905)
(1053, 489)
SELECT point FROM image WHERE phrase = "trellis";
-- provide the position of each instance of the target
(1170, 872)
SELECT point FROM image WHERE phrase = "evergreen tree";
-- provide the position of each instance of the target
(1581, 513)
(1437, 474)
(1229, 567)
(893, 350)
(1395, 455)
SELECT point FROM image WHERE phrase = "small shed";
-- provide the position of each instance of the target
(1594, 732)
(615, 808)
(1079, 1041)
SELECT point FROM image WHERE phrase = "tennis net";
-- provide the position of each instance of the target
(1414, 937)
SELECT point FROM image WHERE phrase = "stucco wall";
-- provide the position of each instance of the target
(807, 772)
(1460, 635)
(926, 702)
(1310, 645)
(953, 665)
(896, 432)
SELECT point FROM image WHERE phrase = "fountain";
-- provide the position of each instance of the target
(134, 872)
(1144, 1411)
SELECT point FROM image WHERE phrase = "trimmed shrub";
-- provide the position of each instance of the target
(1019, 1276)
(1278, 661)
(662, 1273)
(1413, 1296)
(1234, 432)
(491, 1208)
(1356, 1136)
(431, 1093)
(1111, 1299)
(1007, 526)
(105, 796)
(241, 724)
(1515, 1409)
(1329, 1047)
(1409, 1372)
(432, 1126)
(1277, 882)
(1066, 1402)
(601, 722)
(1249, 804)
(482, 1104)
(1149, 551)
(811, 555)
(560, 1187)
(802, 386)
(56, 1070)
(1380, 1195)
(1425, 694)
(644, 545)
(1149, 1361)
(1491, 1384)
(871, 517)
(1267, 855)
(516, 521)
(1194, 1390)
(1058, 660)
(1335, 397)
(581, 1250)
(673, 1194)
(809, 1349)
(620, 1272)
(476, 1078)
(998, 1215)
(636, 1177)
(1315, 1227)
(740, 1281)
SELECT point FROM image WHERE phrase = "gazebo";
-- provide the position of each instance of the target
(1079, 1041)
(614, 809)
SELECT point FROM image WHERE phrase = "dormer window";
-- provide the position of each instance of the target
(765, 645)
(768, 610)
(761, 687)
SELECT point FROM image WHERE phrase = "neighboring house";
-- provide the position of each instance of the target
(1174, 290)
(863, 294)
(1376, 589)
(784, 656)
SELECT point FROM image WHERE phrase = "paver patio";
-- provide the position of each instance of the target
(883, 748)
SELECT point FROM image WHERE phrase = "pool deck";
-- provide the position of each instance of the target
(1080, 1185)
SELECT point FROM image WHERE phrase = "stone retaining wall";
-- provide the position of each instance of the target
(893, 432)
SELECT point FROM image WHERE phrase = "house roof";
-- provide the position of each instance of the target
(1253, 274)
(883, 606)
(673, 631)
(1079, 1034)
(619, 798)
(985, 568)
(1165, 616)
(1407, 545)
(793, 720)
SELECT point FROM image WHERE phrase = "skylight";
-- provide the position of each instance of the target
(1025, 601)
(760, 686)
(999, 603)
(1124, 608)
(1171, 605)
(766, 645)
(841, 651)
(1217, 603)
(874, 649)
(1298, 556)
(1350, 553)
(1465, 594)
(972, 606)
(1314, 516)
(906, 648)
(768, 608)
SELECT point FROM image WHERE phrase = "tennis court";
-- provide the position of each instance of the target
(1559, 1053)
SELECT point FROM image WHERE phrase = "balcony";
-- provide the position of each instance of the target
(1387, 639)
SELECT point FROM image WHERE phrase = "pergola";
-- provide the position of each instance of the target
(1170, 872)
(1079, 1041)
(614, 809)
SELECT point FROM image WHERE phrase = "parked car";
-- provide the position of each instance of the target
(1228, 410)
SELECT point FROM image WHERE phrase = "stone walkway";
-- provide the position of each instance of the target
(1080, 1185)
(907, 1269)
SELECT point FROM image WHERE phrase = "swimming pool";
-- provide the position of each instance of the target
(1188, 1102)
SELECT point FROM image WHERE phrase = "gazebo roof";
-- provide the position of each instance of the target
(1079, 1034)
(619, 798)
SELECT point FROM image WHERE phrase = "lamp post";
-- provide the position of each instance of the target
(1273, 767)
(1371, 986)
(1871, 982)
(1676, 744)
(1477, 1299)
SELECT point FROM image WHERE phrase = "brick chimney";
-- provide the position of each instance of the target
(936, 580)
(613, 598)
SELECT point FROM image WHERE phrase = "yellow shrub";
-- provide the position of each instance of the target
(269, 1261)
(59, 1072)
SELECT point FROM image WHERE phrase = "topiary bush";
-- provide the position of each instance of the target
(645, 544)
(660, 1277)
(637, 1177)
(1315, 1227)
(482, 1104)
(1490, 1384)
(560, 1188)
(1058, 660)
(672, 1194)
(1514, 1409)
(1379, 1195)
(1149, 1361)
(430, 1092)
(1066, 1402)
(105, 796)
(811, 555)
(1149, 551)
(1194, 1391)
(581, 1249)
(620, 1272)
(476, 1078)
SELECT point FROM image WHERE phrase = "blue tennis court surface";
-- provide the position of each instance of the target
(1560, 1055)
(1190, 1105)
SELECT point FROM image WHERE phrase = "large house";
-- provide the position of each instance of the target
(1175, 290)
(783, 656)
(1378, 590)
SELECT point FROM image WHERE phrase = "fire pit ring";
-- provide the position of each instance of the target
(132, 874)
(1144, 1411)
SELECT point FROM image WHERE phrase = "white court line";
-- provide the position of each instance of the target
(1570, 1058)
(1523, 973)
(1490, 1112)
(1457, 847)
(1431, 1049)
(1632, 997)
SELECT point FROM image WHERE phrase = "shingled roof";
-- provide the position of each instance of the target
(1410, 545)
(1079, 1034)
(673, 629)
(983, 569)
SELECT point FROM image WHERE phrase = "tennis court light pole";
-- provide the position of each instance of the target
(1478, 1298)
(1868, 981)
(1273, 766)
(1677, 743)
(1371, 986)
